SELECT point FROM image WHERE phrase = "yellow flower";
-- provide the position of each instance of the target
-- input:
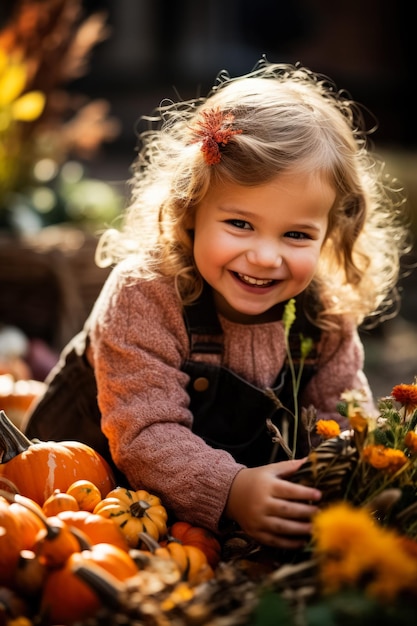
(13, 105)
(410, 440)
(12, 82)
(336, 529)
(383, 458)
(357, 420)
(328, 428)
(28, 107)
(354, 550)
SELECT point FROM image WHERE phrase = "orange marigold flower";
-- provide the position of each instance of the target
(383, 458)
(375, 456)
(410, 441)
(396, 459)
(405, 395)
(327, 428)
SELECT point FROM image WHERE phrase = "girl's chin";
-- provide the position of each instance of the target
(251, 315)
(246, 309)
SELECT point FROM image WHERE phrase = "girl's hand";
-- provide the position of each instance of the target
(270, 509)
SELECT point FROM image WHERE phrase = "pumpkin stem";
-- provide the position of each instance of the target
(139, 508)
(149, 541)
(80, 537)
(9, 484)
(12, 440)
(172, 539)
(107, 587)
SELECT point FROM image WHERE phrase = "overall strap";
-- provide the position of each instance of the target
(203, 326)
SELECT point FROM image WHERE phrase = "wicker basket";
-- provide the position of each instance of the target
(49, 282)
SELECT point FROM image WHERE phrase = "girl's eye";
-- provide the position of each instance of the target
(240, 224)
(295, 234)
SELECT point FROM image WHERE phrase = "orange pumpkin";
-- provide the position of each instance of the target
(30, 522)
(10, 542)
(57, 541)
(17, 394)
(67, 599)
(199, 537)
(134, 512)
(38, 468)
(97, 528)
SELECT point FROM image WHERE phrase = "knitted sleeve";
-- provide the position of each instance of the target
(138, 342)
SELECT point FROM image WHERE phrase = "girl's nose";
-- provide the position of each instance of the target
(265, 255)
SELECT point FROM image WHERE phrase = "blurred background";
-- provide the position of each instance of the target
(75, 78)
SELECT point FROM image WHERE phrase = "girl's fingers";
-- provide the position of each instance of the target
(286, 509)
(284, 489)
(286, 468)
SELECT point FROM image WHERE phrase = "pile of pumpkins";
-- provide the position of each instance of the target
(71, 539)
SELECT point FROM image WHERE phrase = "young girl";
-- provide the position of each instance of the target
(263, 192)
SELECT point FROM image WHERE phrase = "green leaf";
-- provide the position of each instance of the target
(341, 408)
(382, 437)
(343, 609)
(271, 611)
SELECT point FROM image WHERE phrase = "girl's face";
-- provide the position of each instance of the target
(259, 246)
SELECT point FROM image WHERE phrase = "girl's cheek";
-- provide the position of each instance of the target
(305, 263)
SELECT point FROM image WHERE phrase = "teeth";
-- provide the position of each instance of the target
(259, 282)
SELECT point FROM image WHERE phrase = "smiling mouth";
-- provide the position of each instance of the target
(256, 282)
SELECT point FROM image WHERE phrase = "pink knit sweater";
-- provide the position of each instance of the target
(138, 343)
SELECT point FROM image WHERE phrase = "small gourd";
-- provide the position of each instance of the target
(135, 512)
(86, 493)
(199, 537)
(190, 560)
(59, 501)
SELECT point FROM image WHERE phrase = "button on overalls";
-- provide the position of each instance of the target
(229, 412)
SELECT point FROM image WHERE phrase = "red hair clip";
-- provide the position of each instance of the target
(214, 130)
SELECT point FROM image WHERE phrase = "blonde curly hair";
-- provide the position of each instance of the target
(289, 119)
